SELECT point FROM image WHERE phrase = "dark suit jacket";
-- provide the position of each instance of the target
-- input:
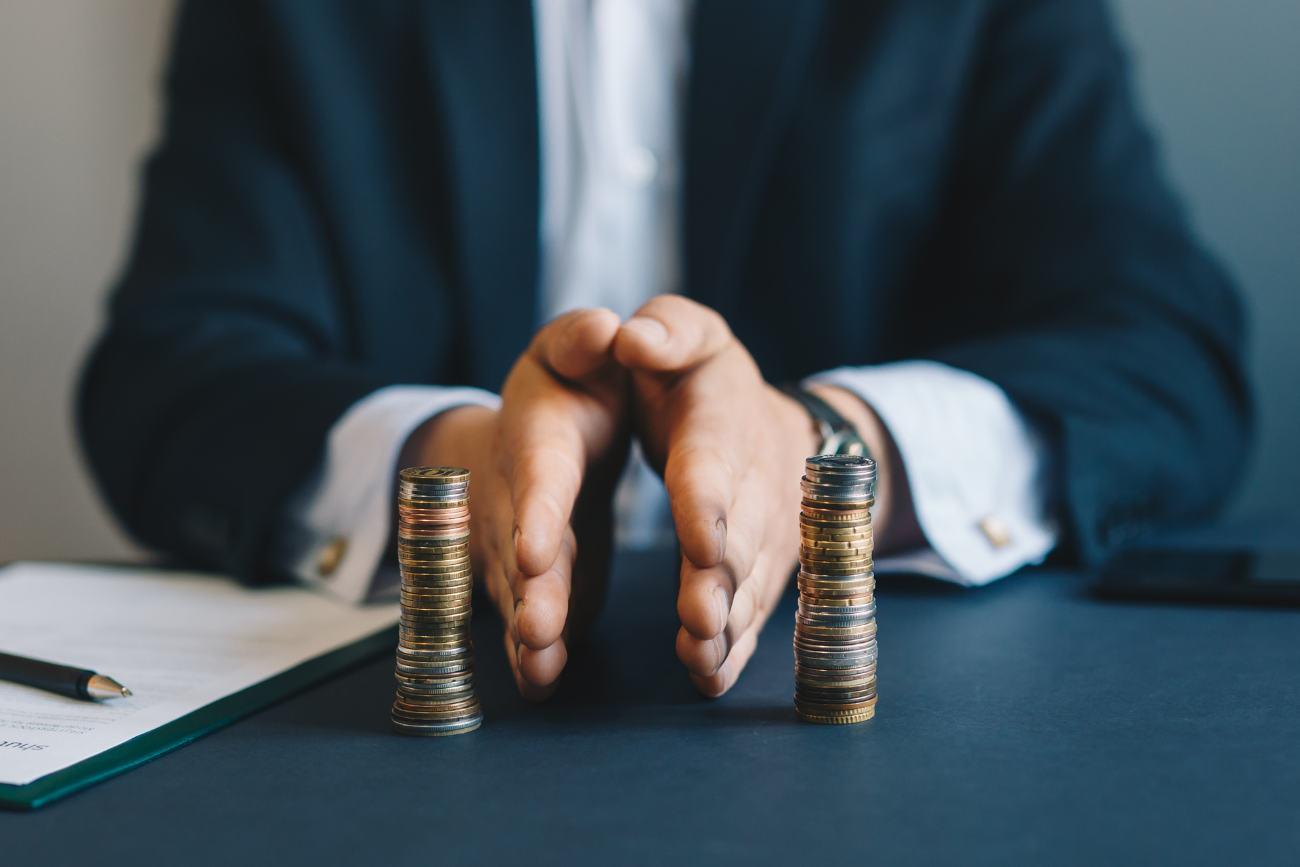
(346, 197)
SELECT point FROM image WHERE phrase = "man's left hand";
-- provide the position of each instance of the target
(731, 449)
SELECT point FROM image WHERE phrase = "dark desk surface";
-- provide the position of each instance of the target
(1021, 723)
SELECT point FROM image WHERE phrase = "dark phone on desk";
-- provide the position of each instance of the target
(1248, 577)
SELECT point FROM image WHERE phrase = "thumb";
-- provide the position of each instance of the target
(577, 344)
(670, 334)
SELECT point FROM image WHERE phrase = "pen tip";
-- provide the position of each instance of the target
(101, 687)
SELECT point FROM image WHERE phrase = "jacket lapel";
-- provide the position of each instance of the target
(482, 64)
(747, 63)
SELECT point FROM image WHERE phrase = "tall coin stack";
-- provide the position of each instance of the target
(835, 628)
(435, 658)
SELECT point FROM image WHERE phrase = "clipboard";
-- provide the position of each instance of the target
(204, 721)
(370, 633)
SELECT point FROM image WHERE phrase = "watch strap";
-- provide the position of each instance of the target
(839, 436)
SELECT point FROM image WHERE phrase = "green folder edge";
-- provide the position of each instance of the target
(193, 726)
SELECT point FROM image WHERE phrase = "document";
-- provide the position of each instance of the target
(177, 640)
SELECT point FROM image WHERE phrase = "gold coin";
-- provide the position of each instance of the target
(832, 534)
(818, 562)
(835, 556)
(424, 623)
(866, 581)
(417, 583)
(836, 549)
(434, 609)
(841, 522)
(820, 581)
(433, 546)
(417, 641)
(821, 570)
(434, 633)
(848, 601)
(850, 595)
(825, 500)
(443, 505)
(838, 720)
(827, 540)
(822, 510)
(420, 597)
(442, 552)
(417, 713)
(836, 631)
(420, 580)
(832, 540)
(820, 585)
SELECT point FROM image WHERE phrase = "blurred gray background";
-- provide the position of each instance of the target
(1220, 82)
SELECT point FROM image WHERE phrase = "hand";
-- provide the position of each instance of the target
(542, 474)
(731, 449)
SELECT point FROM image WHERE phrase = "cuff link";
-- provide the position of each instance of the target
(332, 556)
(995, 531)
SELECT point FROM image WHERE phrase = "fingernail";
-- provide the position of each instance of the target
(721, 647)
(650, 330)
(721, 527)
(723, 606)
(514, 538)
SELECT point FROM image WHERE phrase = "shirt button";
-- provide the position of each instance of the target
(332, 556)
(640, 166)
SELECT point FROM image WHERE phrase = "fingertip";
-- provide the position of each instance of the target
(671, 333)
(715, 684)
(596, 328)
(541, 669)
(641, 343)
(646, 330)
(701, 658)
(584, 344)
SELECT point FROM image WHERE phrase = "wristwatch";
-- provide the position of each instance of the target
(839, 436)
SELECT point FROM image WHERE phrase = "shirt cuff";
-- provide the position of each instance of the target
(336, 528)
(975, 467)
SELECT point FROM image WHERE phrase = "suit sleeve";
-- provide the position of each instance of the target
(1096, 310)
(227, 356)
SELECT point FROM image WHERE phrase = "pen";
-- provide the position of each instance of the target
(63, 679)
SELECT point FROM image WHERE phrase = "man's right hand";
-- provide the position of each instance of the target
(543, 471)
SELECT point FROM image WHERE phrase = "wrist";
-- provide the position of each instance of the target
(797, 424)
(454, 437)
(860, 415)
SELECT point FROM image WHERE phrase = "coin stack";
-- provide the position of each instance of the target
(835, 628)
(435, 659)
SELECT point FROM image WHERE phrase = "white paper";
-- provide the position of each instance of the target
(177, 640)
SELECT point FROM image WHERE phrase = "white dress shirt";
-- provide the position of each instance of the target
(611, 76)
